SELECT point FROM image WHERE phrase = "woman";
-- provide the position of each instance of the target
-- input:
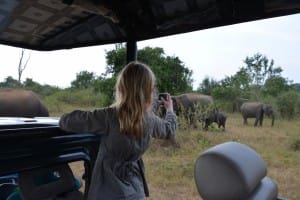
(126, 129)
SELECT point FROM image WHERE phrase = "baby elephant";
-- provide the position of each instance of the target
(215, 116)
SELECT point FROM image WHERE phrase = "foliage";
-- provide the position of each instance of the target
(289, 104)
(42, 90)
(84, 80)
(105, 86)
(276, 85)
(82, 98)
(231, 90)
(258, 80)
(207, 85)
(171, 74)
(115, 60)
(10, 82)
(29, 84)
(296, 86)
(259, 68)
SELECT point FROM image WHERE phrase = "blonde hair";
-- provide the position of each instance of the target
(134, 91)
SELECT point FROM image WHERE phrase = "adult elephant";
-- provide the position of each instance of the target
(257, 110)
(189, 104)
(21, 103)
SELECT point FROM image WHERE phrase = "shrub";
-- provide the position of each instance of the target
(59, 101)
(79, 97)
(288, 104)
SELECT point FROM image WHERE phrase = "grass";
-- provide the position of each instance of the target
(170, 170)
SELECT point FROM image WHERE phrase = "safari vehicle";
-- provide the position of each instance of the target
(29, 145)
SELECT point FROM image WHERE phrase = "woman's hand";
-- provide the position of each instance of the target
(167, 103)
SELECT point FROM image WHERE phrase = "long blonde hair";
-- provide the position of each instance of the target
(134, 91)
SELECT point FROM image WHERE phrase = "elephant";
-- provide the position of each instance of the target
(187, 104)
(217, 117)
(257, 110)
(21, 103)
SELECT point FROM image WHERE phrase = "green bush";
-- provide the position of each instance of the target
(288, 104)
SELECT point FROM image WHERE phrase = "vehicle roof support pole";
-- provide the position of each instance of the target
(131, 47)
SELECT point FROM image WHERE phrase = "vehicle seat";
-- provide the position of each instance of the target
(56, 182)
(233, 171)
(6, 189)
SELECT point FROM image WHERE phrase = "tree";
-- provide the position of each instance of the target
(207, 85)
(289, 104)
(171, 74)
(115, 60)
(105, 86)
(84, 80)
(276, 85)
(263, 78)
(231, 91)
(296, 86)
(10, 82)
(22, 64)
(259, 69)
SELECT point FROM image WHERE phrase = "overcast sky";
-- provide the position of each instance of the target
(214, 53)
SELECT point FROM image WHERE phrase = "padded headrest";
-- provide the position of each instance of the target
(266, 190)
(228, 171)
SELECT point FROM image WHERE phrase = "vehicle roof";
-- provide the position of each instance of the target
(62, 24)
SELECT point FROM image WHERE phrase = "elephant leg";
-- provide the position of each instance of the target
(261, 121)
(261, 117)
(219, 124)
(222, 123)
(206, 124)
(245, 121)
(256, 121)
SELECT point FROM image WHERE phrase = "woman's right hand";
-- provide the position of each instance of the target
(168, 103)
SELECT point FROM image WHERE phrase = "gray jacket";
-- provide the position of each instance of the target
(119, 171)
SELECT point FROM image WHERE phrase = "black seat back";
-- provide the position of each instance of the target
(46, 183)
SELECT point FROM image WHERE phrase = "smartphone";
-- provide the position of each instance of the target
(162, 95)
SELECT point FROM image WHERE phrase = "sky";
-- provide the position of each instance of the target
(214, 53)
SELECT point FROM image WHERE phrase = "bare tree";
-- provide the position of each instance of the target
(22, 65)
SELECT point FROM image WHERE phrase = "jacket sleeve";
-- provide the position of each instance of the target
(85, 121)
(165, 128)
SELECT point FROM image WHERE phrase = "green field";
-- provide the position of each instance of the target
(170, 170)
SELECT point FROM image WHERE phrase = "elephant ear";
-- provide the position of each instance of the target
(268, 109)
(176, 104)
